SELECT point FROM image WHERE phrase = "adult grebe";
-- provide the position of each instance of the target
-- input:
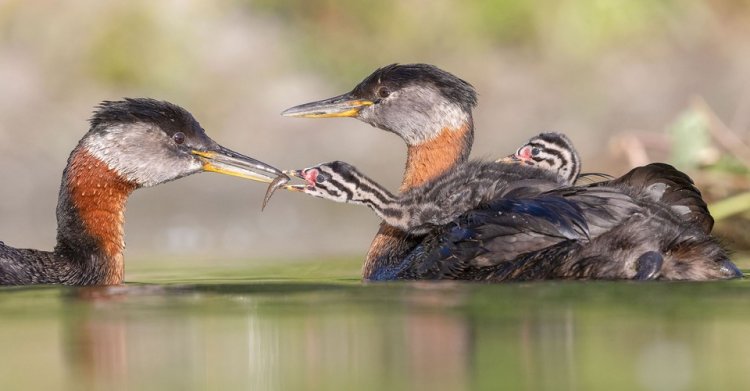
(131, 143)
(584, 232)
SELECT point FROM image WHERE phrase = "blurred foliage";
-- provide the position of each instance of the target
(124, 44)
(127, 48)
(690, 139)
(129, 33)
(348, 36)
(731, 206)
(701, 142)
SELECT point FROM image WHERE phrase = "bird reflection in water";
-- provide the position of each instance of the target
(264, 337)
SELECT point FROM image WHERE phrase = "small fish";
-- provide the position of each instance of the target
(280, 181)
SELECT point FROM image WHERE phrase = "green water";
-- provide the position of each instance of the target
(316, 327)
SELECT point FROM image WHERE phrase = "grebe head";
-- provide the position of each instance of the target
(550, 151)
(415, 101)
(148, 142)
(336, 181)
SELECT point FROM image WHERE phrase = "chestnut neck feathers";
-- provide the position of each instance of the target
(432, 158)
(129, 145)
(90, 215)
(430, 109)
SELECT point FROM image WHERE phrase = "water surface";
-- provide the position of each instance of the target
(317, 327)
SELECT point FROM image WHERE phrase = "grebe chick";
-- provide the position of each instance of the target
(550, 151)
(437, 202)
(419, 210)
(131, 144)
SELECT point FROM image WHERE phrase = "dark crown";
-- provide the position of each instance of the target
(169, 117)
(398, 76)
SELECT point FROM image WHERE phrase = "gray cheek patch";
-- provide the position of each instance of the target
(141, 154)
(412, 112)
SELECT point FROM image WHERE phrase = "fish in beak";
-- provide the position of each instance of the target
(281, 183)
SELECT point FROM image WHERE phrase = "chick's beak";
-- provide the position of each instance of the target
(511, 159)
(295, 173)
(344, 105)
(225, 161)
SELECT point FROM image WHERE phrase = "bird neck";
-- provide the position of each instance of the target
(90, 216)
(430, 159)
(424, 162)
(367, 192)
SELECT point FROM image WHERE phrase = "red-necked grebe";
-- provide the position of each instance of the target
(131, 143)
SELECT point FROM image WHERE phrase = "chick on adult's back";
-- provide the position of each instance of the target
(430, 109)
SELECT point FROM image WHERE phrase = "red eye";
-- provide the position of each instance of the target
(383, 92)
(178, 138)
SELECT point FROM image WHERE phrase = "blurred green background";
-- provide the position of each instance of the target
(630, 81)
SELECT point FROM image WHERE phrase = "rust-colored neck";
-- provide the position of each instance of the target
(424, 162)
(91, 217)
(430, 159)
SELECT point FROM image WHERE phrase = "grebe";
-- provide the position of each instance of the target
(131, 144)
(582, 224)
(550, 151)
(420, 209)
(604, 231)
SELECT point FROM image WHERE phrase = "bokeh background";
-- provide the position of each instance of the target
(630, 81)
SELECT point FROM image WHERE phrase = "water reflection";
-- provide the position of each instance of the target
(399, 336)
(112, 341)
(97, 352)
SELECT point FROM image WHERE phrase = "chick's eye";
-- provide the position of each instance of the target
(322, 177)
(535, 151)
(178, 138)
(383, 92)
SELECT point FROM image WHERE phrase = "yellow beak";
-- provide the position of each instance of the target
(227, 162)
(339, 106)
